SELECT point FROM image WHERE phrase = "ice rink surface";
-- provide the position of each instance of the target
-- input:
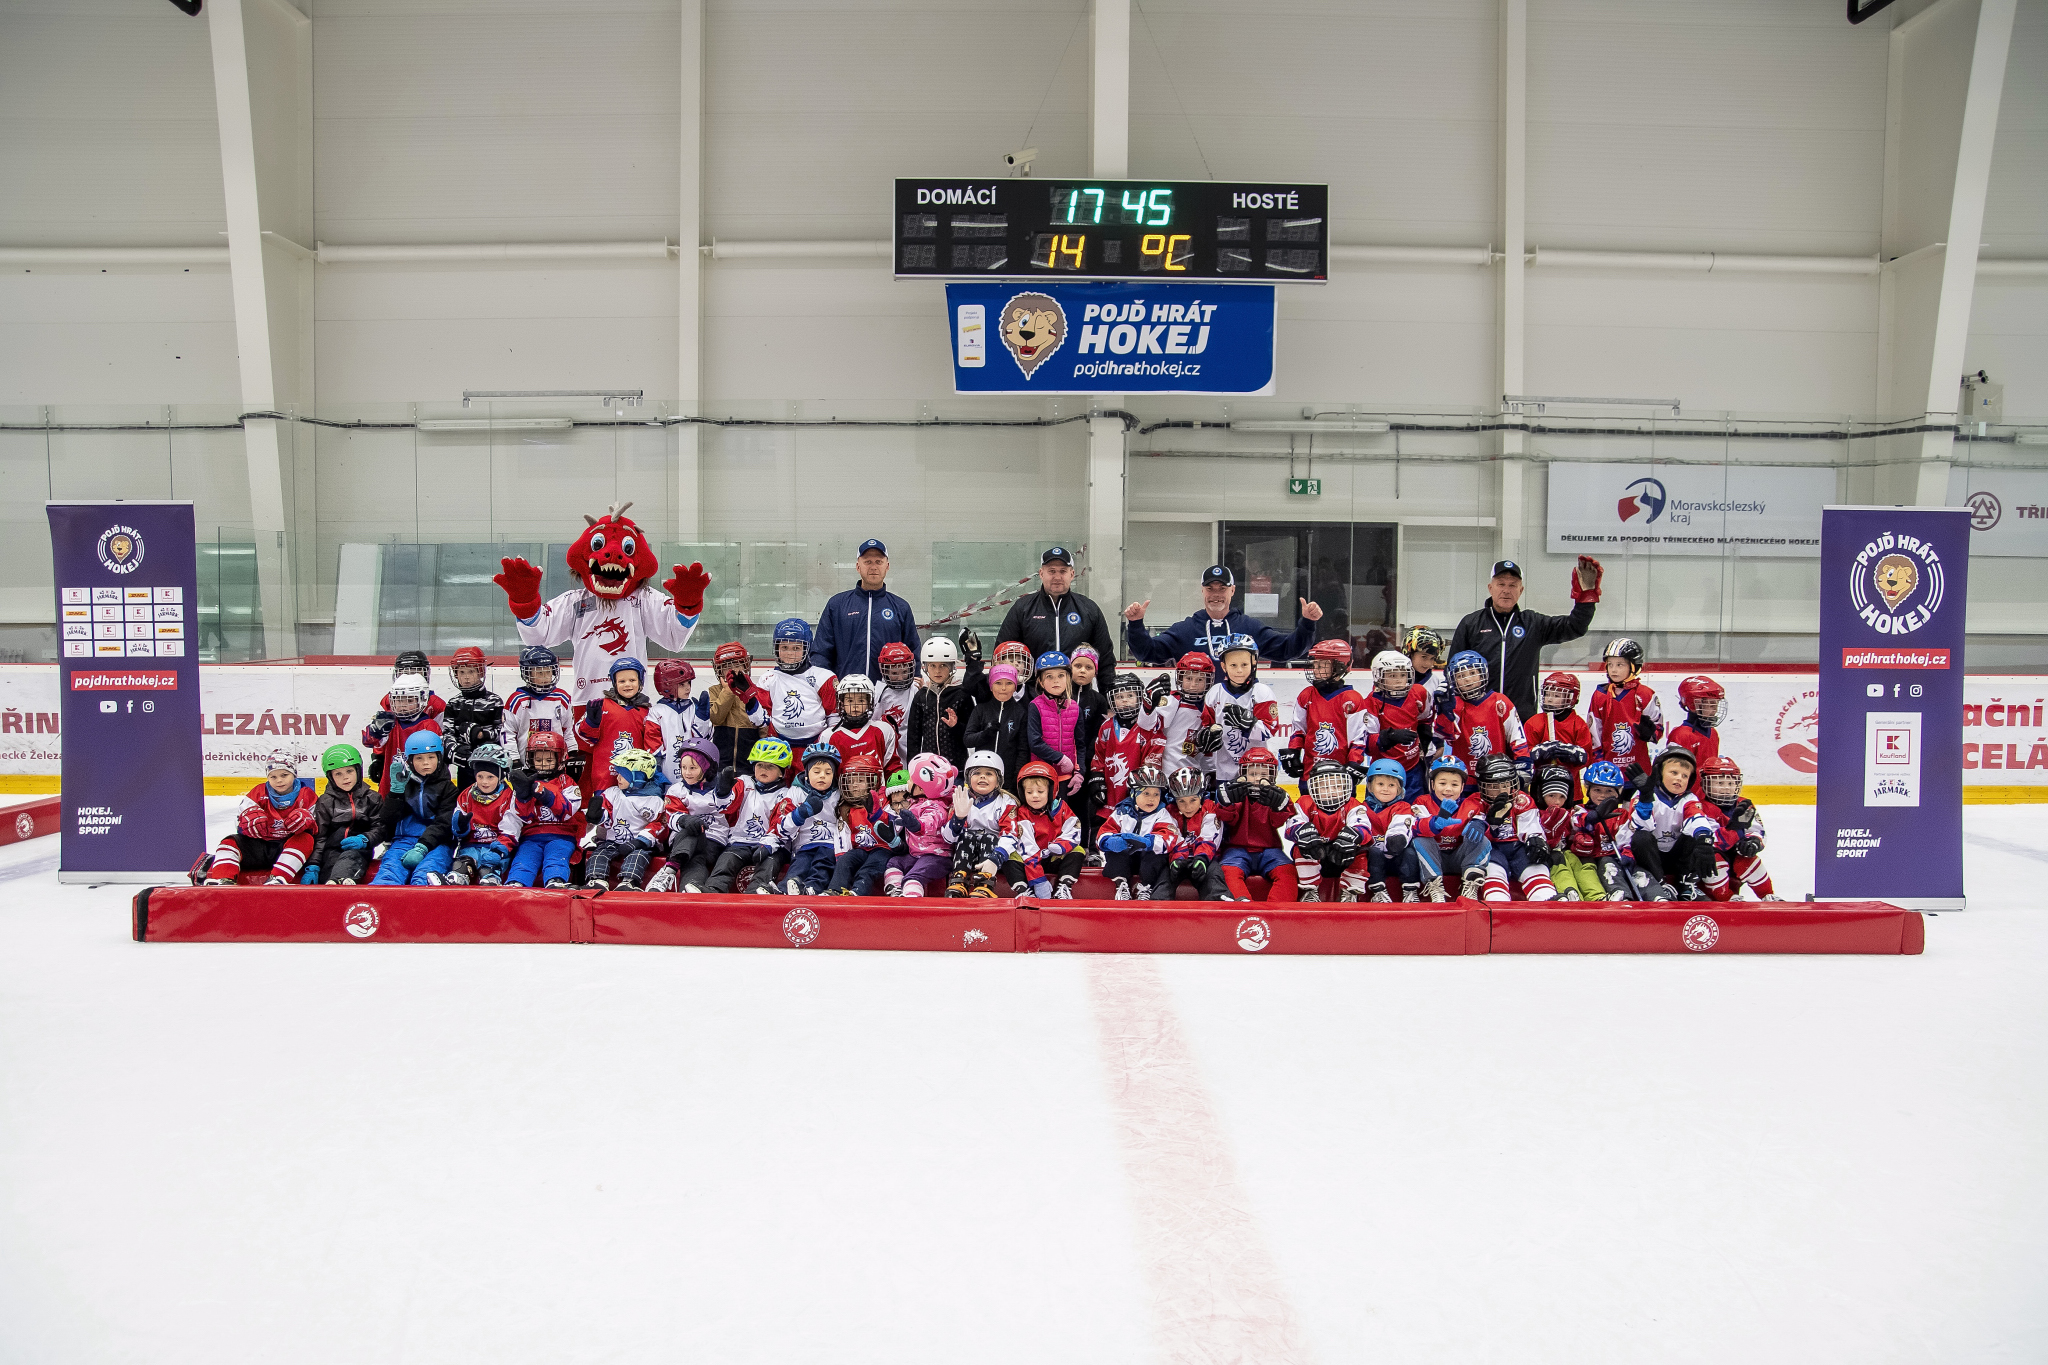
(389, 1153)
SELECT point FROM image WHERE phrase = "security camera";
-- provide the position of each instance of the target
(1020, 161)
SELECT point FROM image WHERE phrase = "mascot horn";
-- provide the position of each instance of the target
(617, 610)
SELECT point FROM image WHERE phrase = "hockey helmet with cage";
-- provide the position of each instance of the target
(669, 674)
(1566, 685)
(409, 687)
(867, 769)
(1721, 780)
(856, 685)
(535, 657)
(410, 661)
(1336, 654)
(1329, 784)
(1705, 700)
(1017, 654)
(773, 750)
(469, 656)
(1184, 783)
(1420, 638)
(1626, 650)
(1126, 699)
(1497, 776)
(1392, 674)
(1469, 675)
(1194, 661)
(1259, 756)
(897, 663)
(729, 657)
(547, 742)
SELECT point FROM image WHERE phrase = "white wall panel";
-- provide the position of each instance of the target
(79, 334)
(2016, 205)
(820, 330)
(2009, 341)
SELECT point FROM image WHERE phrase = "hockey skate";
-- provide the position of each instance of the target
(456, 877)
(1123, 889)
(1411, 893)
(1142, 892)
(1689, 889)
(1310, 892)
(1065, 890)
(1380, 895)
(1774, 897)
(1567, 893)
(279, 881)
(218, 881)
(557, 884)
(1348, 896)
(627, 884)
(1474, 883)
(1433, 889)
(490, 877)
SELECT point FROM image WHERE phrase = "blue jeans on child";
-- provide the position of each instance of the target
(812, 868)
(393, 871)
(542, 856)
(859, 870)
(1473, 850)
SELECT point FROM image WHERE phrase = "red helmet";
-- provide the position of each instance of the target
(1569, 682)
(1720, 779)
(729, 656)
(1695, 692)
(1256, 755)
(897, 663)
(1038, 767)
(547, 742)
(1336, 653)
(1194, 661)
(861, 763)
(468, 654)
(671, 673)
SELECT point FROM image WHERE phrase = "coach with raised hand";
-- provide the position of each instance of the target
(1215, 623)
(1512, 639)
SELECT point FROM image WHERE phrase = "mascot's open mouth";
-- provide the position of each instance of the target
(610, 579)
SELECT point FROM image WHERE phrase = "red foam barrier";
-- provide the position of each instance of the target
(1248, 927)
(1724, 927)
(911, 923)
(30, 819)
(356, 914)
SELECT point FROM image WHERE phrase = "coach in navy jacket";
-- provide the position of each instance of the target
(858, 622)
(1215, 623)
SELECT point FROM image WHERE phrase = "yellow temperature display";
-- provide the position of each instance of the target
(1061, 251)
(1165, 251)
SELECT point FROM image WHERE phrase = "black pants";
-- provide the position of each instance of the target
(1136, 868)
(1688, 857)
(348, 865)
(733, 859)
(631, 857)
(1209, 886)
(694, 860)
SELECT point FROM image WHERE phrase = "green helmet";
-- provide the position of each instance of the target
(340, 756)
(772, 750)
(899, 779)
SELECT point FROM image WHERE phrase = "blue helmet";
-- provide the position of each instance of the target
(1603, 775)
(1386, 767)
(1052, 658)
(1236, 642)
(629, 664)
(1463, 662)
(793, 628)
(821, 752)
(536, 656)
(423, 742)
(1446, 763)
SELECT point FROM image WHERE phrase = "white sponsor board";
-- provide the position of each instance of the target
(2008, 510)
(1772, 727)
(1756, 511)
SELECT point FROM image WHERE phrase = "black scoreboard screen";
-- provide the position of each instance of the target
(1112, 230)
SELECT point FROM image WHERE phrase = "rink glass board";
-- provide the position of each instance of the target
(1893, 596)
(1141, 230)
(127, 580)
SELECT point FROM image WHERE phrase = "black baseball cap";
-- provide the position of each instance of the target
(1216, 573)
(1057, 555)
(1501, 566)
(877, 546)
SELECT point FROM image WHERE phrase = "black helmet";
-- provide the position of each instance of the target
(1621, 647)
(1495, 769)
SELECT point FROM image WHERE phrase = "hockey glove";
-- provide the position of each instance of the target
(1117, 843)
(1537, 849)
(356, 841)
(522, 780)
(1637, 778)
(521, 582)
(1346, 843)
(1197, 868)
(1646, 730)
(1501, 807)
(1272, 798)
(686, 589)
(311, 876)
(1748, 846)
(573, 763)
(412, 857)
(1290, 762)
(1237, 716)
(1156, 690)
(970, 643)
(1397, 739)
(1096, 789)
(1586, 580)
(1230, 793)
(1312, 847)
(1397, 844)
(593, 714)
(727, 778)
(376, 769)
(380, 725)
(1209, 739)
(1743, 813)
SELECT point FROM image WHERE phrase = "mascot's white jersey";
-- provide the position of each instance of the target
(604, 630)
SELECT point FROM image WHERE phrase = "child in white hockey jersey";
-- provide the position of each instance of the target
(540, 706)
(628, 826)
(1239, 712)
(810, 823)
(675, 713)
(694, 814)
(751, 805)
(801, 695)
(985, 827)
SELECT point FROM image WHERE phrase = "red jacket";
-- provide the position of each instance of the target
(1247, 824)
(1569, 728)
(620, 725)
(258, 818)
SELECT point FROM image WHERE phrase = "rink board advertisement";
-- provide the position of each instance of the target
(127, 682)
(1756, 511)
(1111, 338)
(1889, 821)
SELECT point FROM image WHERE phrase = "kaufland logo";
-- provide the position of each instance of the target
(1644, 496)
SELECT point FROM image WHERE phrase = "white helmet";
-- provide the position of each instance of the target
(1387, 661)
(982, 758)
(411, 685)
(939, 650)
(856, 683)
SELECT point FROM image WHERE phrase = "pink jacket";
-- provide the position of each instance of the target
(934, 816)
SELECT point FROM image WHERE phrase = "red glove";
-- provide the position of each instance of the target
(686, 588)
(1586, 580)
(521, 582)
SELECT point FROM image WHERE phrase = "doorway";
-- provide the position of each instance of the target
(1349, 568)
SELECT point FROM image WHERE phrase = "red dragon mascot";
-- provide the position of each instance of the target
(616, 611)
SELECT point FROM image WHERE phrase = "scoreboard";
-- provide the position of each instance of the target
(1111, 230)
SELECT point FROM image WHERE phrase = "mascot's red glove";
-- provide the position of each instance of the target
(1586, 580)
(521, 582)
(687, 587)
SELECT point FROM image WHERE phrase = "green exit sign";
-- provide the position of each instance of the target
(1306, 488)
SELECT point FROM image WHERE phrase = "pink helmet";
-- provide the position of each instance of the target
(932, 776)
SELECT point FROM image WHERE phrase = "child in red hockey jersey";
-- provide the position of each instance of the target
(1557, 734)
(1479, 721)
(1520, 860)
(1327, 833)
(1128, 742)
(1704, 702)
(1402, 716)
(1624, 718)
(273, 828)
(1719, 780)
(1450, 833)
(1254, 811)
(612, 724)
(1191, 849)
(1048, 862)
(1334, 719)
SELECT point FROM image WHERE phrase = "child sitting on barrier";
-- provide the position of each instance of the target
(1391, 868)
(695, 817)
(810, 823)
(1591, 863)
(1254, 809)
(1134, 837)
(1048, 862)
(926, 815)
(868, 836)
(273, 828)
(550, 812)
(486, 821)
(751, 804)
(983, 826)
(1720, 782)
(1520, 861)
(628, 828)
(1673, 837)
(1450, 833)
(415, 825)
(1327, 832)
(1196, 832)
(344, 821)
(1554, 811)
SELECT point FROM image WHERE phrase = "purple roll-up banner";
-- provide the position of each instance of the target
(1894, 590)
(134, 794)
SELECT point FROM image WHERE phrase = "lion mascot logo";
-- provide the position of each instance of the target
(1895, 578)
(1034, 326)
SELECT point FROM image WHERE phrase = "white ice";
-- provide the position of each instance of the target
(387, 1153)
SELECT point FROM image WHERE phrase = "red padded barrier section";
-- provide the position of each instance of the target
(1727, 927)
(1241, 927)
(912, 924)
(30, 819)
(356, 914)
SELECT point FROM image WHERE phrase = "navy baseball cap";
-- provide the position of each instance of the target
(877, 546)
(1057, 555)
(1505, 566)
(1216, 573)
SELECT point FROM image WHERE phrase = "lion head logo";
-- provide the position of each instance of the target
(1895, 577)
(1034, 326)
